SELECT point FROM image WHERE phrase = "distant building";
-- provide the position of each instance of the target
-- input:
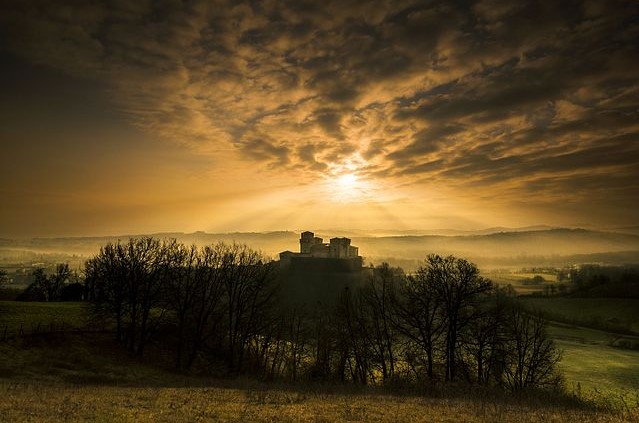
(315, 247)
(320, 271)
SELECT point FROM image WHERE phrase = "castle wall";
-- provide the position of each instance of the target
(310, 280)
(320, 272)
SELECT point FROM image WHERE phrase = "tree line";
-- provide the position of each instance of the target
(220, 306)
(62, 285)
(446, 322)
(211, 301)
(605, 281)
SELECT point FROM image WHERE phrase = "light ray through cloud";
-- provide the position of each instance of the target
(442, 102)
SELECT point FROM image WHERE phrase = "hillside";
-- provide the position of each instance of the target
(88, 378)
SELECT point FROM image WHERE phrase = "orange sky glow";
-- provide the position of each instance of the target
(139, 117)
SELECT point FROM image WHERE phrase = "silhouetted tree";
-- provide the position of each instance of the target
(181, 292)
(126, 281)
(531, 354)
(377, 309)
(218, 292)
(194, 293)
(220, 301)
(249, 294)
(47, 287)
(324, 334)
(354, 346)
(106, 286)
(37, 290)
(458, 286)
(297, 334)
(419, 316)
(54, 283)
(483, 340)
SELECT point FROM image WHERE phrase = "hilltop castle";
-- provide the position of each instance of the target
(315, 248)
(320, 271)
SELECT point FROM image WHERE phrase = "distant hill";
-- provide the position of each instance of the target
(502, 246)
(270, 243)
(376, 233)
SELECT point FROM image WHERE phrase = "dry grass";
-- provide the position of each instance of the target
(86, 377)
(169, 404)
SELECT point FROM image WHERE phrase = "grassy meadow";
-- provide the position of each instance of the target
(265, 404)
(87, 377)
(595, 370)
(31, 317)
(520, 281)
(84, 377)
(592, 366)
(599, 312)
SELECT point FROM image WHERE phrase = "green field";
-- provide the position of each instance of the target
(595, 370)
(597, 312)
(590, 365)
(518, 280)
(35, 316)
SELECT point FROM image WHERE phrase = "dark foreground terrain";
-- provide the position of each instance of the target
(86, 377)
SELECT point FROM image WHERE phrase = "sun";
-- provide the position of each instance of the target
(347, 187)
(346, 181)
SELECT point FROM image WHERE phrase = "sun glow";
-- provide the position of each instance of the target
(347, 181)
(347, 187)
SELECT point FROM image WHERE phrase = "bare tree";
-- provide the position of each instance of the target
(378, 301)
(106, 286)
(181, 292)
(484, 339)
(126, 281)
(206, 313)
(532, 356)
(324, 334)
(54, 283)
(418, 314)
(147, 265)
(37, 290)
(353, 339)
(222, 299)
(47, 287)
(249, 291)
(297, 334)
(458, 287)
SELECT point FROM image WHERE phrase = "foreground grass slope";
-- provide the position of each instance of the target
(596, 370)
(592, 367)
(85, 377)
(256, 404)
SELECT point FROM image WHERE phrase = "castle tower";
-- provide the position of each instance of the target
(340, 248)
(306, 241)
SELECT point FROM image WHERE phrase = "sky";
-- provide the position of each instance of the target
(122, 117)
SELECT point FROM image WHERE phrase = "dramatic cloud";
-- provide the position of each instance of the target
(502, 99)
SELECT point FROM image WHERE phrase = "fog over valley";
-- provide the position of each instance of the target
(499, 247)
